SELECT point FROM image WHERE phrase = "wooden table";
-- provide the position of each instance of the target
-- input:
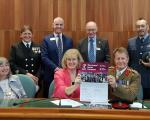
(72, 114)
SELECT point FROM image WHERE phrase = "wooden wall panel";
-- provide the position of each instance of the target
(115, 19)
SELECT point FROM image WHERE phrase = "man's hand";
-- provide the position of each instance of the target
(56, 69)
(147, 64)
(34, 78)
(112, 81)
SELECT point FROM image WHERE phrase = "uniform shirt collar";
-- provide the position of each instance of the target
(145, 36)
(25, 43)
(121, 71)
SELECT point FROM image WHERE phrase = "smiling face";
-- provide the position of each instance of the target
(142, 27)
(26, 33)
(58, 25)
(72, 62)
(26, 36)
(4, 68)
(91, 29)
(72, 59)
(121, 60)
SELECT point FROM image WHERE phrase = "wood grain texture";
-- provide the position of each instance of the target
(72, 114)
(115, 19)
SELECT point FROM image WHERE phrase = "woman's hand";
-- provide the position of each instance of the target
(34, 78)
(78, 79)
(112, 81)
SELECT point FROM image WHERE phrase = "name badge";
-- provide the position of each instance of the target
(98, 48)
(52, 39)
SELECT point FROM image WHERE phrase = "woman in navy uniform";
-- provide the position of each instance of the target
(25, 55)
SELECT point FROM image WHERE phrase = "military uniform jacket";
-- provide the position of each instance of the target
(23, 59)
(128, 84)
(136, 49)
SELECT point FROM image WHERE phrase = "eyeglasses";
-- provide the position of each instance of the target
(91, 30)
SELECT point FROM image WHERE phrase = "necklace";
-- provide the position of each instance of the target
(6, 89)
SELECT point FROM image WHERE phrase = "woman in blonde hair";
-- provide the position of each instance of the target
(10, 85)
(67, 79)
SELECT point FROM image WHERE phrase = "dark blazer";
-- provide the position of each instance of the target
(102, 53)
(136, 49)
(23, 60)
(49, 55)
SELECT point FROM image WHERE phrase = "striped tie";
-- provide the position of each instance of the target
(91, 51)
(60, 50)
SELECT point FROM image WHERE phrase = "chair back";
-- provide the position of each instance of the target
(140, 93)
(28, 85)
(51, 89)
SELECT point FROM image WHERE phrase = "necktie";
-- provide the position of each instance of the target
(118, 74)
(91, 51)
(60, 49)
(27, 45)
(142, 39)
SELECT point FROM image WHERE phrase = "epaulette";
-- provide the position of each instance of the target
(133, 71)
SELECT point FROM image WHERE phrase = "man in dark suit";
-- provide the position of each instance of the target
(137, 47)
(52, 49)
(100, 50)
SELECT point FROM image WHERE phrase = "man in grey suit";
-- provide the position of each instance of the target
(138, 46)
(92, 48)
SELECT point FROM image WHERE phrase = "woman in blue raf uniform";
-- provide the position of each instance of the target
(25, 55)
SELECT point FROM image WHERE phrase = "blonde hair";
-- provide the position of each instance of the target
(120, 50)
(70, 53)
(26, 27)
(2, 60)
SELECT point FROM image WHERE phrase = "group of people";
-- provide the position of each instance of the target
(56, 60)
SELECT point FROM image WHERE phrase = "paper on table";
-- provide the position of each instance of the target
(66, 102)
(94, 92)
(137, 105)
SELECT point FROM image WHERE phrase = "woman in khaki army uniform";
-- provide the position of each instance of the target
(124, 82)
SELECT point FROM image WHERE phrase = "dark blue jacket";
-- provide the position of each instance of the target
(136, 49)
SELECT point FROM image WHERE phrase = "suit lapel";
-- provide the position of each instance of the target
(64, 43)
(122, 76)
(98, 47)
(24, 50)
(86, 48)
(53, 43)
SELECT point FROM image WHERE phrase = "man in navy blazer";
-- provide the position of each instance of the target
(101, 47)
(137, 47)
(50, 52)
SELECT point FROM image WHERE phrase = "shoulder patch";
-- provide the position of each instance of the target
(111, 67)
(133, 71)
